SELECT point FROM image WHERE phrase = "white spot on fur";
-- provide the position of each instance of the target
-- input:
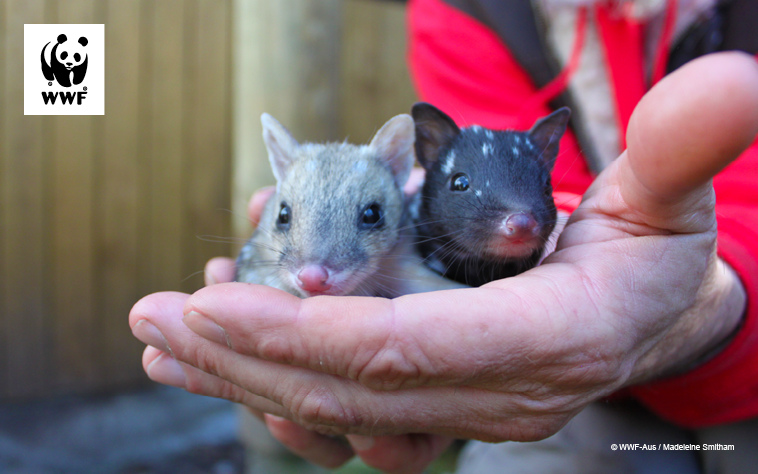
(488, 149)
(489, 134)
(487, 183)
(518, 139)
(447, 168)
(475, 128)
(529, 142)
(515, 151)
(478, 193)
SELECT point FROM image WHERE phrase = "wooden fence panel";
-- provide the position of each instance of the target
(72, 189)
(374, 80)
(287, 60)
(3, 224)
(163, 129)
(120, 179)
(96, 212)
(207, 137)
(26, 275)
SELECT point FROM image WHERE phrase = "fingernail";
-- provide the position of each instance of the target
(276, 419)
(206, 328)
(150, 335)
(166, 370)
(360, 443)
(209, 280)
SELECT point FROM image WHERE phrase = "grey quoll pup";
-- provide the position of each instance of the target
(337, 224)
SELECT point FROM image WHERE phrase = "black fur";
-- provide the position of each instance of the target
(454, 227)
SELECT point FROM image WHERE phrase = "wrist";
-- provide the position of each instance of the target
(700, 333)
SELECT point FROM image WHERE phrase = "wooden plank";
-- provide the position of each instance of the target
(119, 187)
(375, 83)
(207, 194)
(286, 63)
(301, 41)
(23, 216)
(250, 167)
(4, 355)
(85, 201)
(164, 136)
(73, 264)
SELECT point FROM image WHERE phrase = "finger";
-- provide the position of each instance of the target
(319, 449)
(331, 404)
(403, 454)
(219, 270)
(159, 360)
(164, 302)
(255, 207)
(687, 128)
(161, 367)
(441, 338)
(316, 333)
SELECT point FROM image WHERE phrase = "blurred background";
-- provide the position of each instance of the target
(96, 212)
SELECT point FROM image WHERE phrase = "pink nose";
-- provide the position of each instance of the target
(519, 226)
(313, 278)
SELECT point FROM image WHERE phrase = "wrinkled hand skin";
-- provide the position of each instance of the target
(634, 291)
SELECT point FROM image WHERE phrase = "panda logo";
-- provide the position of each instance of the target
(66, 62)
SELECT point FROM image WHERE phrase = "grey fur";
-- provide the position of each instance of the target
(327, 187)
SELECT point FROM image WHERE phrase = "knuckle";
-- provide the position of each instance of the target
(195, 385)
(204, 359)
(318, 405)
(228, 391)
(398, 363)
(276, 349)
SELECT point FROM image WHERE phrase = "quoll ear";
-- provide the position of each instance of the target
(280, 144)
(434, 130)
(393, 144)
(83, 41)
(546, 135)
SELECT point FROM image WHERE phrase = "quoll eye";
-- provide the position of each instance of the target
(459, 182)
(372, 217)
(283, 221)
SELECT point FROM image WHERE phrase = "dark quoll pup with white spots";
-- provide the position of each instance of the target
(486, 210)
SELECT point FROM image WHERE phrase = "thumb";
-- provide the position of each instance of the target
(684, 131)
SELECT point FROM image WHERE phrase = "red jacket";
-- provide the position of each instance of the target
(462, 67)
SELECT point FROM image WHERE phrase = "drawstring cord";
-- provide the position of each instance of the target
(664, 44)
(612, 30)
(555, 87)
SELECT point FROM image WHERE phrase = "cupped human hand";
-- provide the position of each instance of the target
(634, 291)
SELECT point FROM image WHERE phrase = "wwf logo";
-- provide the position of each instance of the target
(72, 58)
(65, 62)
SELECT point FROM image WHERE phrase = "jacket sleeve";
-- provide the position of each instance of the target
(462, 67)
